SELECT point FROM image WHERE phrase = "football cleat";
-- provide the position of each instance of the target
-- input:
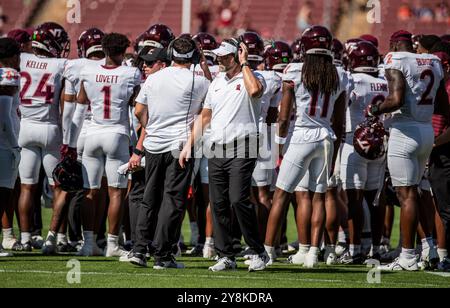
(37, 242)
(430, 258)
(223, 264)
(3, 253)
(259, 262)
(209, 251)
(311, 260)
(114, 252)
(85, 251)
(298, 258)
(138, 259)
(348, 259)
(171, 264)
(401, 264)
(196, 251)
(8, 243)
(18, 246)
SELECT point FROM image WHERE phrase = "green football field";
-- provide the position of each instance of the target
(34, 270)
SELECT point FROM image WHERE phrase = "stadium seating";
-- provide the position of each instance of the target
(17, 12)
(390, 23)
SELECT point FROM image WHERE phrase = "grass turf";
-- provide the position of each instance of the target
(35, 270)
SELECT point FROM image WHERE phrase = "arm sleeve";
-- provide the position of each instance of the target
(69, 110)
(77, 124)
(6, 124)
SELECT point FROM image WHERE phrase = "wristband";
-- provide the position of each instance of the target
(245, 64)
(138, 152)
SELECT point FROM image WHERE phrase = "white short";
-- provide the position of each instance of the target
(358, 172)
(9, 166)
(40, 145)
(105, 153)
(410, 146)
(314, 158)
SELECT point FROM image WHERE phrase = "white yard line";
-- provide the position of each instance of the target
(446, 275)
(335, 281)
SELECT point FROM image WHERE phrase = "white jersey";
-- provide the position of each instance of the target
(314, 110)
(423, 74)
(71, 75)
(10, 77)
(272, 93)
(41, 82)
(213, 69)
(368, 90)
(109, 91)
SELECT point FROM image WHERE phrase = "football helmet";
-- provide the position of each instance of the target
(255, 45)
(277, 56)
(90, 41)
(363, 58)
(338, 51)
(296, 48)
(317, 40)
(68, 175)
(207, 43)
(370, 138)
(157, 36)
(52, 38)
(445, 38)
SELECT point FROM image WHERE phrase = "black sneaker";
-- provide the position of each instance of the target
(444, 266)
(197, 251)
(18, 246)
(172, 263)
(65, 248)
(347, 259)
(137, 258)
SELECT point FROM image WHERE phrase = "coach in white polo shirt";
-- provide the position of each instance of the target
(232, 108)
(166, 106)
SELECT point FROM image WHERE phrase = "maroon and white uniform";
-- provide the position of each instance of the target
(358, 172)
(108, 136)
(40, 135)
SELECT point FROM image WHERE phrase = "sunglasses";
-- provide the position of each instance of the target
(150, 64)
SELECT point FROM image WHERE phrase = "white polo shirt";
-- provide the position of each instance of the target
(167, 94)
(235, 115)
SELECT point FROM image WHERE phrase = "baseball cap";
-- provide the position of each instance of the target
(225, 49)
(401, 35)
(155, 54)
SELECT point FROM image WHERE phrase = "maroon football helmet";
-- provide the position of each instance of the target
(90, 41)
(296, 48)
(52, 38)
(363, 58)
(369, 139)
(207, 43)
(338, 51)
(349, 44)
(445, 38)
(317, 40)
(21, 36)
(255, 46)
(157, 36)
(277, 56)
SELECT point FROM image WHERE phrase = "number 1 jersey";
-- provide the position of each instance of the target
(109, 90)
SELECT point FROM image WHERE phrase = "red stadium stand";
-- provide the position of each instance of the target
(390, 23)
(17, 12)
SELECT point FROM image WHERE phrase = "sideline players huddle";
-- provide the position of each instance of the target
(335, 124)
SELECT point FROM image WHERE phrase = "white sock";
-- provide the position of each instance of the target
(341, 237)
(113, 240)
(354, 250)
(408, 253)
(270, 250)
(25, 237)
(51, 236)
(303, 248)
(8, 233)
(61, 238)
(427, 243)
(442, 254)
(209, 241)
(88, 237)
(314, 251)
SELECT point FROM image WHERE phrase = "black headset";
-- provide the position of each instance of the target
(236, 42)
(195, 59)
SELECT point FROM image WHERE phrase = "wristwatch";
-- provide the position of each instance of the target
(138, 152)
(245, 64)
